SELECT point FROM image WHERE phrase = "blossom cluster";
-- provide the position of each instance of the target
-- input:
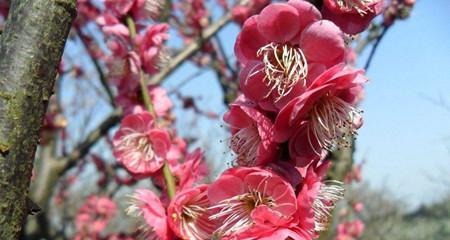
(299, 102)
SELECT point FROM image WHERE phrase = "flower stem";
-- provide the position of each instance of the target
(131, 26)
(144, 91)
(170, 180)
(168, 176)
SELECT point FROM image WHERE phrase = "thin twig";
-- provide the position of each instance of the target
(374, 48)
(190, 49)
(101, 75)
(224, 56)
(83, 148)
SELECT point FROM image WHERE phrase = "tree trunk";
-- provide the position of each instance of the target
(31, 46)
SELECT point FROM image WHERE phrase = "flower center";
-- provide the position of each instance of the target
(361, 6)
(333, 122)
(237, 211)
(137, 143)
(245, 144)
(194, 219)
(284, 67)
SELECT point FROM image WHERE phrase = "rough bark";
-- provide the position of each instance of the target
(31, 46)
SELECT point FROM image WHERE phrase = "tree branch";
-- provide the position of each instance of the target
(97, 66)
(374, 48)
(190, 49)
(30, 51)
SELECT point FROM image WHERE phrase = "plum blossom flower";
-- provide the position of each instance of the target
(147, 207)
(193, 169)
(242, 196)
(112, 26)
(252, 139)
(196, 16)
(350, 230)
(189, 214)
(93, 216)
(352, 16)
(177, 150)
(358, 207)
(151, 47)
(124, 68)
(316, 199)
(139, 146)
(129, 99)
(243, 11)
(138, 9)
(325, 115)
(282, 49)
(143, 9)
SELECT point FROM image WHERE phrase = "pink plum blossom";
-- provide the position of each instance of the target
(151, 47)
(283, 49)
(189, 214)
(111, 25)
(139, 146)
(242, 197)
(352, 16)
(128, 100)
(252, 139)
(147, 206)
(193, 169)
(93, 216)
(325, 115)
(242, 12)
(350, 230)
(138, 9)
(124, 69)
(316, 199)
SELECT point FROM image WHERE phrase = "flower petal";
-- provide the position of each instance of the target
(323, 41)
(278, 22)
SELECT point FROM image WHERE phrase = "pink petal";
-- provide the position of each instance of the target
(251, 80)
(249, 41)
(225, 187)
(308, 14)
(323, 42)
(278, 22)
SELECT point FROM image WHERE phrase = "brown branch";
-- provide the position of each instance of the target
(51, 169)
(224, 57)
(375, 47)
(189, 50)
(84, 147)
(30, 51)
(99, 69)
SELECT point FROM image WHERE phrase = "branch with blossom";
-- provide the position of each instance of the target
(292, 99)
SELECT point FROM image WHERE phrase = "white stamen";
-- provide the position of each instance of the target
(140, 145)
(245, 144)
(333, 123)
(134, 210)
(237, 210)
(194, 219)
(361, 6)
(325, 202)
(284, 67)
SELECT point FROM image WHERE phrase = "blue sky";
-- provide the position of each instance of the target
(406, 134)
(405, 140)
